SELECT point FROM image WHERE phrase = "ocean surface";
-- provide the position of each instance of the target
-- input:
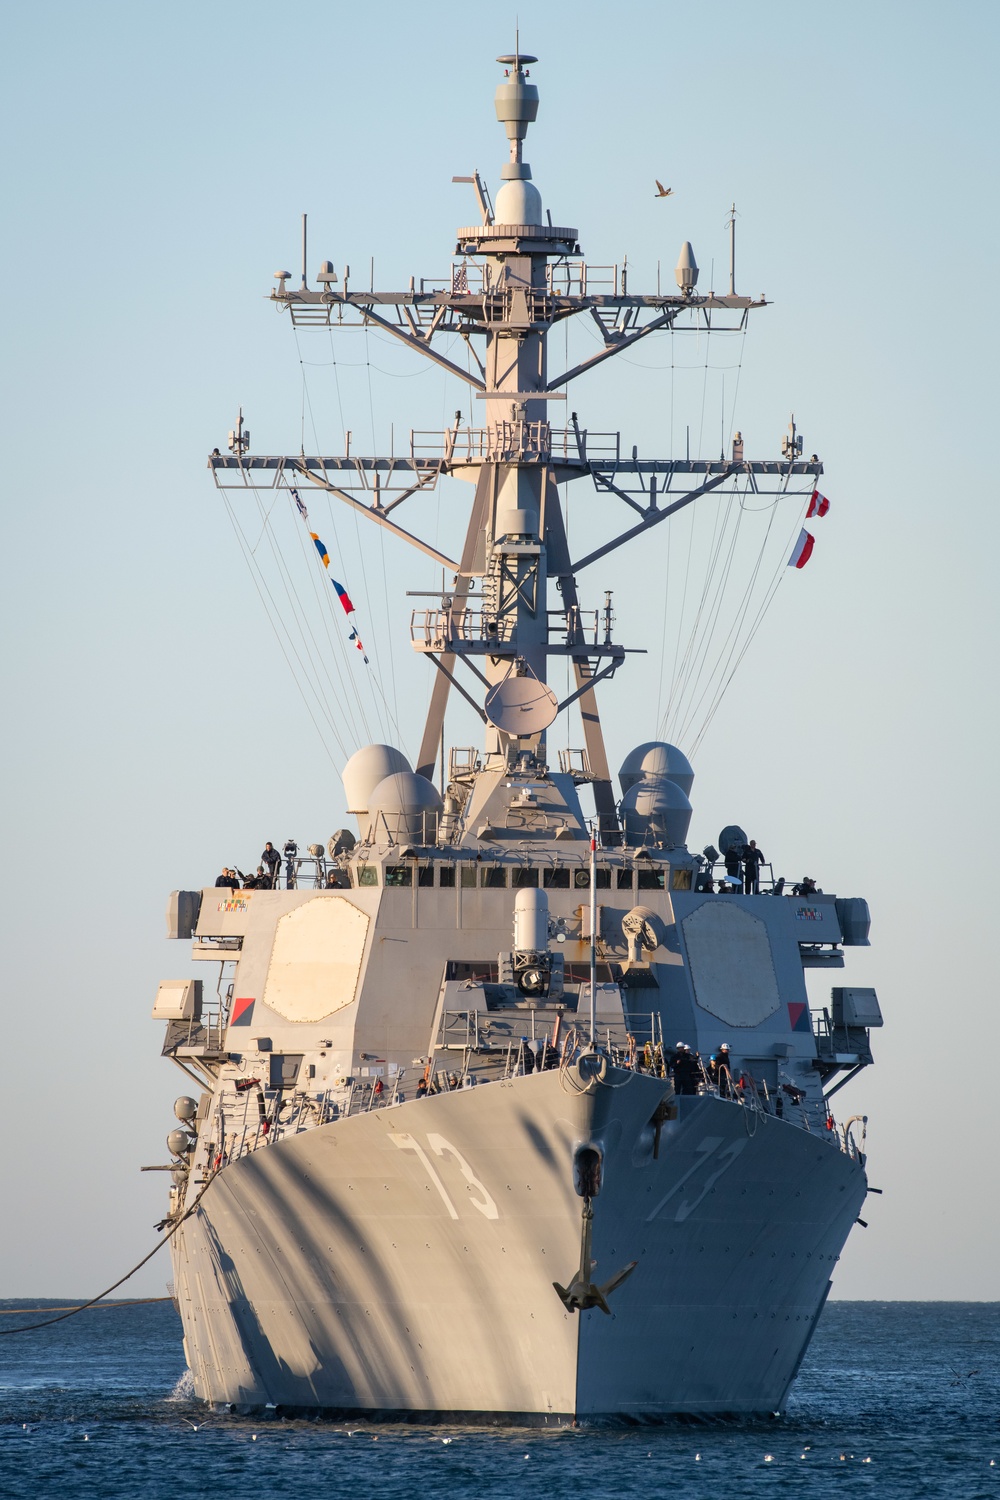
(894, 1399)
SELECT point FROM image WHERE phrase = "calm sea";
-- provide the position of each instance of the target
(894, 1399)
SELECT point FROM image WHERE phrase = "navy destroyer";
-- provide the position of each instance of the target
(444, 1157)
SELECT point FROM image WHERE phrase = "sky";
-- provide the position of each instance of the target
(159, 160)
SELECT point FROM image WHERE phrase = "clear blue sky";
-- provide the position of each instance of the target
(158, 161)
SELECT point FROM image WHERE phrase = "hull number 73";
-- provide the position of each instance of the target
(478, 1196)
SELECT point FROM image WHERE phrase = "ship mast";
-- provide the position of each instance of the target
(519, 275)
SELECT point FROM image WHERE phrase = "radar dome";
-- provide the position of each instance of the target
(179, 1143)
(365, 769)
(657, 811)
(405, 807)
(656, 759)
(518, 202)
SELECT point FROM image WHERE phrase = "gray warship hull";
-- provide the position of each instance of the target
(444, 1161)
(356, 1267)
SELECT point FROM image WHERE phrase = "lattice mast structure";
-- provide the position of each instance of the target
(516, 276)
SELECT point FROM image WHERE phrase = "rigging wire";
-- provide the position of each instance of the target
(324, 595)
(729, 644)
(725, 667)
(780, 571)
(381, 543)
(300, 676)
(697, 641)
(704, 676)
(350, 675)
(696, 674)
(316, 657)
(378, 693)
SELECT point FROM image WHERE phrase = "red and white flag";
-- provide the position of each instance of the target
(818, 505)
(802, 551)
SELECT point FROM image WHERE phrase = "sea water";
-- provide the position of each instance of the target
(896, 1399)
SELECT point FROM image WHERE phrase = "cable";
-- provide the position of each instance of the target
(257, 584)
(31, 1327)
(22, 1312)
(779, 574)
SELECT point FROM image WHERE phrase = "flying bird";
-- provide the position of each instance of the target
(661, 191)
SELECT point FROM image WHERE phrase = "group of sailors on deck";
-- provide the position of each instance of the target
(267, 873)
(743, 864)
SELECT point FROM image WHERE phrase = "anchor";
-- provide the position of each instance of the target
(583, 1293)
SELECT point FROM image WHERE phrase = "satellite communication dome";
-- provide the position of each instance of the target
(365, 769)
(406, 806)
(655, 810)
(518, 202)
(656, 758)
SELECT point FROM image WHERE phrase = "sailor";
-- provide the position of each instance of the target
(732, 859)
(686, 1070)
(526, 1057)
(290, 851)
(422, 1088)
(805, 887)
(272, 859)
(753, 858)
(228, 879)
(724, 1071)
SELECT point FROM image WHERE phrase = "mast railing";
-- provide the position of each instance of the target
(502, 442)
(436, 629)
(507, 441)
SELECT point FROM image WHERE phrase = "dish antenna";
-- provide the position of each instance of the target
(521, 706)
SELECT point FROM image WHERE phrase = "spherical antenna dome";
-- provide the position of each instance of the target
(404, 807)
(365, 769)
(518, 202)
(657, 758)
(657, 811)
